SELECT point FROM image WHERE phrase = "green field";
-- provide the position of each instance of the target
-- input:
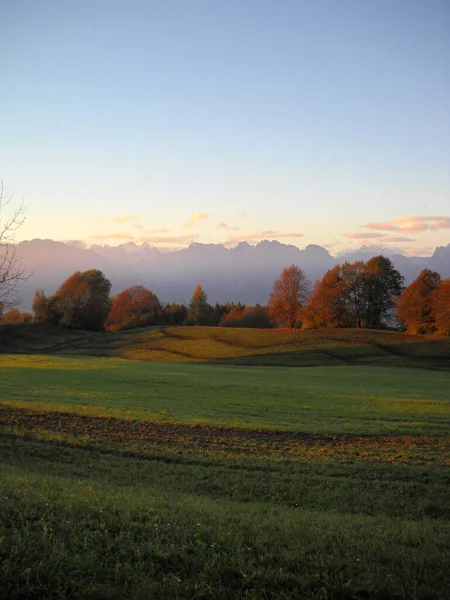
(211, 468)
(353, 399)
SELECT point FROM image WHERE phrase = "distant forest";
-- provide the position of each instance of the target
(361, 294)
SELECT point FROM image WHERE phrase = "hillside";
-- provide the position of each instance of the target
(234, 346)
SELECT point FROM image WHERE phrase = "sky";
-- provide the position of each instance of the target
(227, 120)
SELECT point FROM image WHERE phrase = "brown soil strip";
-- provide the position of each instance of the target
(232, 442)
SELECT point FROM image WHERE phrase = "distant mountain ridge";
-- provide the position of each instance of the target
(244, 273)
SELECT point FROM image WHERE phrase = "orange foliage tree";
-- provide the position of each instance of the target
(415, 306)
(134, 307)
(13, 316)
(328, 304)
(358, 294)
(248, 316)
(440, 305)
(199, 312)
(82, 301)
(288, 297)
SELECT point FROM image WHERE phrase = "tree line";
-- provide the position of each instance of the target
(361, 294)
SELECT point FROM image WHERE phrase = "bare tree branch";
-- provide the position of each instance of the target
(11, 270)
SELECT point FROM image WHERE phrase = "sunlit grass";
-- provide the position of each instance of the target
(322, 399)
(239, 346)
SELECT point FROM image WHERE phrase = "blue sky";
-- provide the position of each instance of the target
(169, 121)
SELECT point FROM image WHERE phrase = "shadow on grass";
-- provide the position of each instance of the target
(336, 347)
(284, 483)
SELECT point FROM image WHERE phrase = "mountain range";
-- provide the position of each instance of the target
(244, 273)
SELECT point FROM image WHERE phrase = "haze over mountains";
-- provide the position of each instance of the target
(244, 273)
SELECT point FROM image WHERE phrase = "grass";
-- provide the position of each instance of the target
(76, 523)
(251, 347)
(163, 479)
(376, 400)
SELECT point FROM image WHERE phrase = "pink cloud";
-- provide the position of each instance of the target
(424, 251)
(286, 235)
(362, 236)
(183, 240)
(397, 239)
(440, 224)
(411, 224)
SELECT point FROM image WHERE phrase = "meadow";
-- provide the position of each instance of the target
(224, 464)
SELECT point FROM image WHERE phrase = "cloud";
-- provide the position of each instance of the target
(424, 251)
(362, 236)
(411, 224)
(183, 240)
(397, 239)
(278, 234)
(227, 227)
(122, 219)
(269, 233)
(441, 223)
(150, 231)
(196, 217)
(244, 216)
(378, 236)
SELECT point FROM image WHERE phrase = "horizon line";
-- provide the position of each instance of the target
(174, 249)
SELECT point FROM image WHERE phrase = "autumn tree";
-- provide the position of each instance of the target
(249, 316)
(83, 300)
(199, 311)
(45, 308)
(40, 304)
(440, 307)
(415, 305)
(373, 288)
(383, 284)
(353, 276)
(134, 307)
(11, 271)
(13, 316)
(328, 305)
(288, 297)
